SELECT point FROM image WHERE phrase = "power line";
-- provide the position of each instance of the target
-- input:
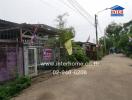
(99, 27)
(45, 3)
(77, 4)
(67, 5)
(76, 9)
(72, 4)
(80, 12)
(101, 31)
(81, 8)
(48, 4)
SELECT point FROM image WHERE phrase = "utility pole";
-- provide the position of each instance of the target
(96, 29)
(105, 45)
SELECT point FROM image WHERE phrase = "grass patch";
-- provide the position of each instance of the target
(10, 89)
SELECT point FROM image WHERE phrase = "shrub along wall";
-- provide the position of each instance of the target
(10, 89)
(78, 56)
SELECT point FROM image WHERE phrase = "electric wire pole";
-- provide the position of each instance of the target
(96, 29)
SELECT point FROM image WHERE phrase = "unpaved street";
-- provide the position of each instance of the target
(110, 80)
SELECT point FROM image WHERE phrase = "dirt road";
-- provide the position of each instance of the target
(111, 79)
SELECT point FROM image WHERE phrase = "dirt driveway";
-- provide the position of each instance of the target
(111, 79)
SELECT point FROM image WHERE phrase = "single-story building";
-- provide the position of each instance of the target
(23, 47)
(90, 49)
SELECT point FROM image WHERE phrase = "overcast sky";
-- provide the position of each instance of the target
(46, 11)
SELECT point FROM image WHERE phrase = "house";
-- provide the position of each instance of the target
(90, 49)
(23, 47)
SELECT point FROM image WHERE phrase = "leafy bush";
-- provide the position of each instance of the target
(10, 89)
(130, 56)
(81, 57)
(101, 53)
(71, 58)
(78, 56)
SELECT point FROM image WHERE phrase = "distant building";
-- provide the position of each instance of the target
(90, 49)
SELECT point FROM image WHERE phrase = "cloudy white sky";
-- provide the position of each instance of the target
(46, 11)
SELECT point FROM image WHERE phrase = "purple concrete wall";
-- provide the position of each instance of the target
(11, 63)
(20, 62)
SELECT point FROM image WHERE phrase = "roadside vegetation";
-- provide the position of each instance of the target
(10, 89)
(67, 33)
(118, 37)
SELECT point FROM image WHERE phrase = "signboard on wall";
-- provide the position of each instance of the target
(47, 54)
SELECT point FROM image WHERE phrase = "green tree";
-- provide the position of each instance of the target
(119, 36)
(61, 21)
(122, 44)
(65, 33)
(113, 33)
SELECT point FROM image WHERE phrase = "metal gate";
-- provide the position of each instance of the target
(30, 61)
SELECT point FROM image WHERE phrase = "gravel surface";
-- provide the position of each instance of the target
(109, 79)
